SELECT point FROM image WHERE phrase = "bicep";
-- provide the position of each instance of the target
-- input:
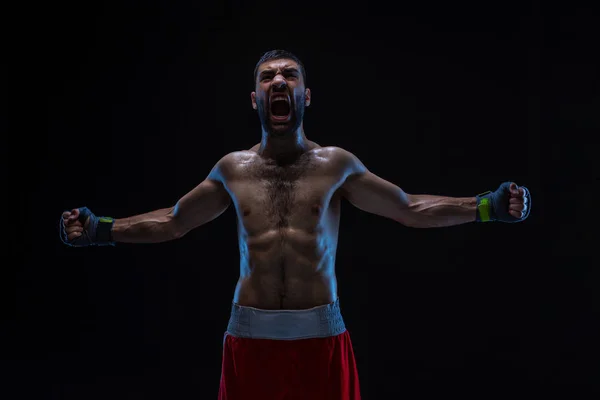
(375, 195)
(202, 204)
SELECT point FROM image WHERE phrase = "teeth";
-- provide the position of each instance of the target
(278, 98)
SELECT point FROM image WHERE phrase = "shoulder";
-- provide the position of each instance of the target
(237, 157)
(341, 158)
(231, 163)
(333, 153)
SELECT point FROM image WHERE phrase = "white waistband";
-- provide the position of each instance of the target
(321, 321)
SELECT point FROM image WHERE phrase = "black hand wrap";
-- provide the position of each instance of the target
(97, 233)
(493, 206)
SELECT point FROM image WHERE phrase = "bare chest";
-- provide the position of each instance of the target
(293, 196)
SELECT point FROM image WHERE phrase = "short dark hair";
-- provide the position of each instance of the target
(278, 55)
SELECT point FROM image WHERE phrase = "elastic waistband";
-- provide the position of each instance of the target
(321, 321)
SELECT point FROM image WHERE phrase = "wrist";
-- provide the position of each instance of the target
(104, 230)
(484, 208)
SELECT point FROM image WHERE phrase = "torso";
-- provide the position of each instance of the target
(288, 220)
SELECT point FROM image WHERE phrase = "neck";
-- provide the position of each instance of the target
(290, 145)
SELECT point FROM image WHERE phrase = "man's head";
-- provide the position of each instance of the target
(280, 94)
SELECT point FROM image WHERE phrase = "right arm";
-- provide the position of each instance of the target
(202, 204)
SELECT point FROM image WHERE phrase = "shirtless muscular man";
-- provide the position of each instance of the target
(286, 338)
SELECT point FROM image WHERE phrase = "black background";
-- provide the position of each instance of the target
(136, 101)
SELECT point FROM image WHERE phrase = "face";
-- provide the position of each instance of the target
(280, 96)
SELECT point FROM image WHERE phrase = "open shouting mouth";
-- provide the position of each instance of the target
(281, 109)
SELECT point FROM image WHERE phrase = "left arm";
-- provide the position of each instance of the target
(373, 194)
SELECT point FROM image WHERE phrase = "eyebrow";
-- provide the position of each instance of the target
(287, 69)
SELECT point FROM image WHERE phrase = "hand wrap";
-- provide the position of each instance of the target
(493, 206)
(97, 233)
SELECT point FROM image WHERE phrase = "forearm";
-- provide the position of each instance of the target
(153, 227)
(428, 211)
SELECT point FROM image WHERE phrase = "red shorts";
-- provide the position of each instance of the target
(306, 369)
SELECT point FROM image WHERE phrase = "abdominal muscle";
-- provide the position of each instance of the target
(286, 268)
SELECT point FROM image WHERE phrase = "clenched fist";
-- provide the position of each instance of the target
(73, 227)
(509, 203)
(80, 227)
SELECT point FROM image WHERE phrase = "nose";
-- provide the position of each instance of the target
(279, 84)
